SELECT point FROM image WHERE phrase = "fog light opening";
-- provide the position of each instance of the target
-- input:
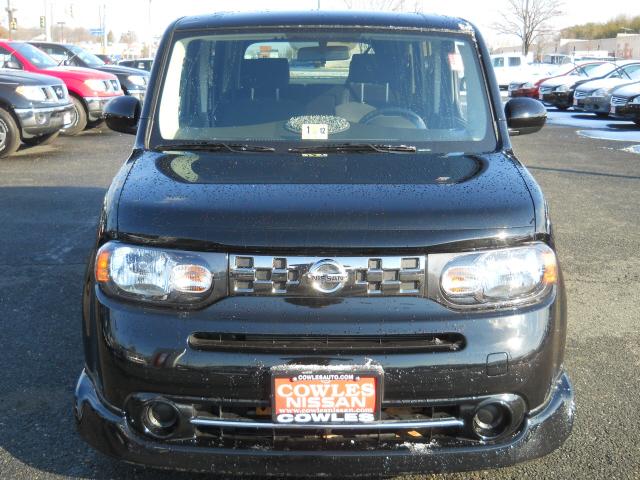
(160, 418)
(491, 420)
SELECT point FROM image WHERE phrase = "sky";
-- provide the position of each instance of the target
(150, 17)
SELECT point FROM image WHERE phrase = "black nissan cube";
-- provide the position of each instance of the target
(323, 257)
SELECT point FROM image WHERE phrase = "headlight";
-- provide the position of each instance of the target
(494, 278)
(153, 274)
(35, 94)
(137, 80)
(635, 101)
(564, 88)
(528, 85)
(96, 85)
(601, 92)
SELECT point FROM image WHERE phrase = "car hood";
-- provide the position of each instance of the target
(628, 91)
(122, 70)
(607, 83)
(19, 77)
(79, 72)
(330, 201)
(563, 80)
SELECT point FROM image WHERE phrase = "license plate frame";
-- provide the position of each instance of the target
(319, 375)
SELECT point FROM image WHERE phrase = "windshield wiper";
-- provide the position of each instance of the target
(68, 59)
(215, 147)
(355, 148)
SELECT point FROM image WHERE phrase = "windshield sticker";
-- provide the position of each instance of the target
(455, 62)
(315, 131)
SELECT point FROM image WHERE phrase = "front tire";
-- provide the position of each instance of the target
(602, 115)
(562, 109)
(42, 139)
(9, 134)
(80, 119)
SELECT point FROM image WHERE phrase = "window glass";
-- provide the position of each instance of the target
(34, 55)
(86, 57)
(297, 86)
(498, 62)
(8, 60)
(514, 61)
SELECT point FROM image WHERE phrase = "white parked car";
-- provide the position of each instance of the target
(509, 67)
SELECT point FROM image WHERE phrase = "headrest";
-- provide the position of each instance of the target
(263, 73)
(366, 68)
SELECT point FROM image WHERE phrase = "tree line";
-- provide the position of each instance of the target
(590, 31)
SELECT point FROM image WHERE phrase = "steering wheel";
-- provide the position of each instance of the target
(405, 113)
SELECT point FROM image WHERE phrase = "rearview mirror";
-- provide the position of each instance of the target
(525, 115)
(122, 114)
(323, 54)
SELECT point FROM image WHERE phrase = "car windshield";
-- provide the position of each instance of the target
(346, 86)
(601, 70)
(34, 55)
(89, 58)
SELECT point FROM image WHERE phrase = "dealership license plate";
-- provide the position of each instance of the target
(319, 396)
(612, 110)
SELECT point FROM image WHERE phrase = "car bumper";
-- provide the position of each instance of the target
(139, 94)
(95, 107)
(592, 104)
(626, 112)
(106, 429)
(558, 99)
(528, 92)
(35, 122)
(136, 355)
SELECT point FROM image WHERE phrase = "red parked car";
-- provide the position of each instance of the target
(89, 89)
(531, 88)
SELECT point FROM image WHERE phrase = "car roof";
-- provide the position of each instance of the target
(386, 20)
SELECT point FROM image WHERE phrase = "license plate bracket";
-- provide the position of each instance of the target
(312, 395)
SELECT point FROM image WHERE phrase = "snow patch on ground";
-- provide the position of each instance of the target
(618, 136)
(632, 149)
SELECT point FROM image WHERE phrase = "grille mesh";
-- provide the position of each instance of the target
(367, 276)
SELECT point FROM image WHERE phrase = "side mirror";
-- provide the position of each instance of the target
(122, 114)
(13, 64)
(525, 115)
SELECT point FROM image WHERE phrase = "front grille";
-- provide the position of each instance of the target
(59, 91)
(619, 101)
(324, 438)
(292, 276)
(330, 345)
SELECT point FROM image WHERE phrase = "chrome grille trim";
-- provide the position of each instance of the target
(288, 275)
(444, 422)
(619, 101)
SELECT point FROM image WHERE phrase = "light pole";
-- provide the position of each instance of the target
(10, 18)
(61, 24)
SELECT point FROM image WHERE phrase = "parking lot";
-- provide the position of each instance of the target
(50, 199)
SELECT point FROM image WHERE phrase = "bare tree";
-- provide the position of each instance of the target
(385, 5)
(526, 19)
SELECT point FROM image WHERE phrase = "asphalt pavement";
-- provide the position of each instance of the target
(50, 198)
